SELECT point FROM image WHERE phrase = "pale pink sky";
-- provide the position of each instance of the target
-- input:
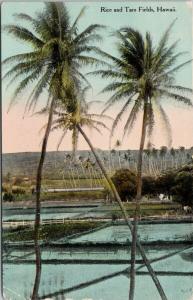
(22, 135)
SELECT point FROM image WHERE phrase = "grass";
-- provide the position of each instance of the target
(82, 182)
(66, 183)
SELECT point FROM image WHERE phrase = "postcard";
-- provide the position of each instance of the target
(97, 150)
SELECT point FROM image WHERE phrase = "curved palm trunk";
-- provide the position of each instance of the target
(137, 204)
(38, 204)
(118, 199)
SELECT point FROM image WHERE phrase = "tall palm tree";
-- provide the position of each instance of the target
(58, 50)
(78, 117)
(143, 75)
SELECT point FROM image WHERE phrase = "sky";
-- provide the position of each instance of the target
(22, 133)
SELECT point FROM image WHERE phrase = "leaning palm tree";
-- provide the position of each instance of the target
(58, 50)
(77, 117)
(143, 75)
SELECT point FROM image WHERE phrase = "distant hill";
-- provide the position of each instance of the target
(25, 164)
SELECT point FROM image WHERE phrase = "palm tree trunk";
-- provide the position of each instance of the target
(38, 204)
(137, 203)
(118, 199)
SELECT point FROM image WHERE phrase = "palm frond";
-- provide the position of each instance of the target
(166, 123)
(177, 97)
(90, 29)
(23, 85)
(23, 57)
(23, 34)
(80, 15)
(132, 117)
(179, 88)
(119, 115)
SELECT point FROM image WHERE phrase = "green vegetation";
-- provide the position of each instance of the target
(125, 182)
(142, 74)
(177, 184)
(22, 165)
(50, 232)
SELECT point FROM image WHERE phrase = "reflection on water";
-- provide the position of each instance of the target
(100, 273)
(83, 280)
(54, 213)
(147, 232)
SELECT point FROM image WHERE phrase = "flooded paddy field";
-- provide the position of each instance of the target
(75, 271)
(28, 214)
(88, 278)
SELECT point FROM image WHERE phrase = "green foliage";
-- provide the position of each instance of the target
(57, 51)
(143, 75)
(125, 182)
(183, 188)
(8, 197)
(149, 185)
(165, 183)
(50, 232)
(18, 191)
(115, 216)
(178, 184)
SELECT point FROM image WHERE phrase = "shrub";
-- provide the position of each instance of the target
(115, 216)
(18, 181)
(8, 197)
(165, 183)
(18, 191)
(149, 185)
(125, 182)
(183, 188)
(4, 189)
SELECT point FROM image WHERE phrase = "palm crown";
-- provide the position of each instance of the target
(80, 115)
(143, 75)
(58, 52)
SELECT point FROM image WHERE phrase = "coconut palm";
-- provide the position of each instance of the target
(58, 50)
(67, 121)
(143, 75)
(163, 153)
(117, 146)
(182, 154)
(79, 117)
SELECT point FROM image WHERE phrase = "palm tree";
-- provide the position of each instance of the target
(128, 222)
(79, 117)
(67, 120)
(143, 75)
(113, 152)
(118, 145)
(182, 154)
(162, 153)
(154, 152)
(53, 64)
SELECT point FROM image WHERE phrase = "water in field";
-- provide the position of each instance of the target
(147, 232)
(28, 214)
(101, 273)
(98, 280)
